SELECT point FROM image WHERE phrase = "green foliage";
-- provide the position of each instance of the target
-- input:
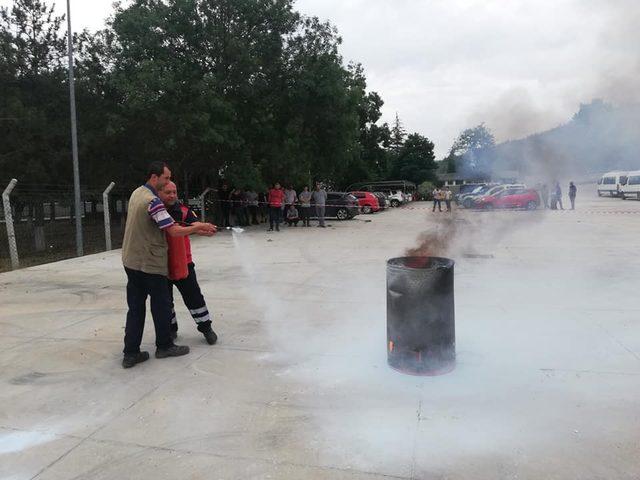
(415, 160)
(471, 150)
(425, 188)
(248, 90)
(33, 110)
(398, 134)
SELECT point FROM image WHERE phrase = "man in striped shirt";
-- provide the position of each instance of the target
(145, 260)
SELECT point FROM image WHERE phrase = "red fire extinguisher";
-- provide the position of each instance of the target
(178, 269)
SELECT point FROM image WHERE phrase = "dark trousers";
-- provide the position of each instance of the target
(193, 300)
(293, 221)
(253, 212)
(437, 203)
(305, 213)
(226, 214)
(275, 216)
(240, 216)
(141, 285)
(573, 202)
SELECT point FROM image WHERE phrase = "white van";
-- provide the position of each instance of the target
(611, 183)
(631, 188)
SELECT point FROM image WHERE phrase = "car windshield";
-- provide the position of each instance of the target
(478, 189)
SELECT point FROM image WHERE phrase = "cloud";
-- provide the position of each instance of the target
(520, 66)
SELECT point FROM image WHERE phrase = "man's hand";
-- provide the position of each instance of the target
(205, 229)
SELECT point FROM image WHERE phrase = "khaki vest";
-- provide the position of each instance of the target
(144, 247)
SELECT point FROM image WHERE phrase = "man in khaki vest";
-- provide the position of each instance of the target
(145, 260)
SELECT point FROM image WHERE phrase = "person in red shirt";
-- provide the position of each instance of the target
(188, 285)
(276, 199)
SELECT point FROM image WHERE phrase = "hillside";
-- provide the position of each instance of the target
(598, 138)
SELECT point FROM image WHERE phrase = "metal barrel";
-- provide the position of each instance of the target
(421, 337)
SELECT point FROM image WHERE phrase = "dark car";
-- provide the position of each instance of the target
(383, 201)
(340, 205)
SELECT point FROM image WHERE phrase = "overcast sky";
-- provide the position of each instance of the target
(444, 65)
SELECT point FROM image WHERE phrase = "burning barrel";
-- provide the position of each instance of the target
(421, 337)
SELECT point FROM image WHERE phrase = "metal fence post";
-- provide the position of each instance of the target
(8, 220)
(202, 207)
(107, 216)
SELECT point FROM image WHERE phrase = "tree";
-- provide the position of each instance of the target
(34, 103)
(471, 151)
(372, 161)
(398, 134)
(249, 90)
(415, 161)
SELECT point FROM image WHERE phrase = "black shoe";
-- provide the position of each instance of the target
(270, 230)
(277, 229)
(210, 336)
(132, 359)
(172, 351)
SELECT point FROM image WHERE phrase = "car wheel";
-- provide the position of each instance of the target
(366, 209)
(638, 195)
(623, 196)
(467, 203)
(532, 205)
(599, 193)
(488, 206)
(395, 203)
(342, 214)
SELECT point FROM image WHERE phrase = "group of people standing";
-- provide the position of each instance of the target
(442, 195)
(284, 203)
(553, 199)
(277, 205)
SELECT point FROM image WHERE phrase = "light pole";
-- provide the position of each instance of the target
(74, 137)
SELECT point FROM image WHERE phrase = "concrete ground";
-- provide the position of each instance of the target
(547, 381)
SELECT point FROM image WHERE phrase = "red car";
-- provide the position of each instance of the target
(516, 197)
(367, 201)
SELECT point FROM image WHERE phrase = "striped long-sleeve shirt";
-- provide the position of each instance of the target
(159, 214)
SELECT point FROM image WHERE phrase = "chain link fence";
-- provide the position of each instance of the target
(37, 221)
(40, 225)
(43, 221)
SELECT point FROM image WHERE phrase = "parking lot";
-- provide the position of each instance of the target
(546, 384)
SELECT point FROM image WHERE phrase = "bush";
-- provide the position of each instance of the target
(425, 189)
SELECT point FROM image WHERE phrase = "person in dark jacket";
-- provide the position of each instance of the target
(188, 287)
(238, 207)
(225, 205)
(573, 191)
